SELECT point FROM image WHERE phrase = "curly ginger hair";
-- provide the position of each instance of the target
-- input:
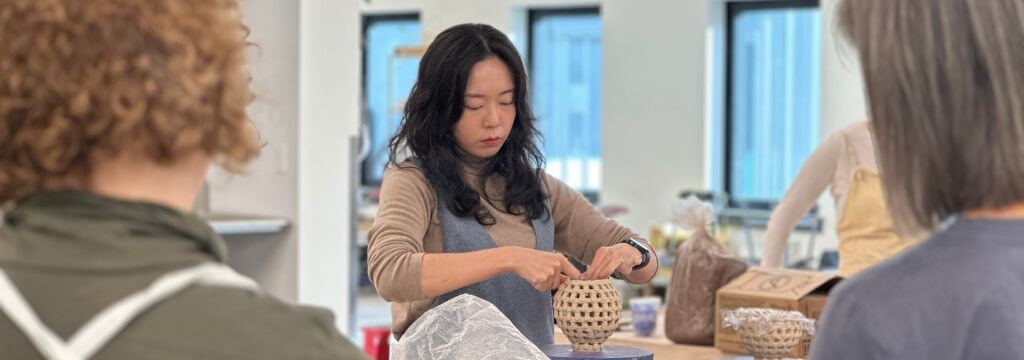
(79, 78)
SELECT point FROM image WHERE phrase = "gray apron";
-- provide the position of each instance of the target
(529, 309)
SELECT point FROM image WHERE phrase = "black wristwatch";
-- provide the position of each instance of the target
(646, 254)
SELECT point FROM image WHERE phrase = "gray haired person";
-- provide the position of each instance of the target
(945, 85)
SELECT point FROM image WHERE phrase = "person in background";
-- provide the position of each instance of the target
(945, 84)
(110, 114)
(470, 211)
(845, 164)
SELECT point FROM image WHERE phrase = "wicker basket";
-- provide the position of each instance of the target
(775, 342)
(587, 312)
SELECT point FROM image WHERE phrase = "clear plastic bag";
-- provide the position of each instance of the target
(763, 320)
(465, 328)
(702, 266)
(769, 333)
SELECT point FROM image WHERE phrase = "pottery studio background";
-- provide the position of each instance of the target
(633, 101)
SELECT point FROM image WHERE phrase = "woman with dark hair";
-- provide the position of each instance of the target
(469, 211)
(945, 83)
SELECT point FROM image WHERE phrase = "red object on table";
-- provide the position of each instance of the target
(375, 342)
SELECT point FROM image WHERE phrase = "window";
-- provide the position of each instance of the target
(565, 65)
(389, 72)
(772, 95)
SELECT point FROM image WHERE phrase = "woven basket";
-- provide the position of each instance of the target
(775, 342)
(587, 312)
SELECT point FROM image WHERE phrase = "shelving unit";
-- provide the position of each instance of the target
(236, 224)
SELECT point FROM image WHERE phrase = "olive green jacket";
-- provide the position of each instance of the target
(71, 254)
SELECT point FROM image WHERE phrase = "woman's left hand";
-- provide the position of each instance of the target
(608, 259)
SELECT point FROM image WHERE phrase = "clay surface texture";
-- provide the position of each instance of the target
(588, 312)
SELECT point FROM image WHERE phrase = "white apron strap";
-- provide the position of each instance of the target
(99, 330)
(13, 304)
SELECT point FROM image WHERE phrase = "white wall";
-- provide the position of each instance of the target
(653, 137)
(270, 188)
(505, 15)
(330, 92)
(842, 98)
(306, 77)
(438, 15)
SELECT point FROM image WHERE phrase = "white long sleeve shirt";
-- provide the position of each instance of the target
(831, 166)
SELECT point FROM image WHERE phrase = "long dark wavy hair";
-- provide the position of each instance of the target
(436, 104)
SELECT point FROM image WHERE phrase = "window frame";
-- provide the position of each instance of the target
(732, 10)
(532, 15)
(366, 21)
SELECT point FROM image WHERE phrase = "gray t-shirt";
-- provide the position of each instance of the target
(958, 295)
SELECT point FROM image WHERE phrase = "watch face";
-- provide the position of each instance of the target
(643, 252)
(638, 245)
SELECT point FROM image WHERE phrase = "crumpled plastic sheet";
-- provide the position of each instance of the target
(763, 318)
(465, 328)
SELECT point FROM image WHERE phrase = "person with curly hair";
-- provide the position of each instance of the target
(110, 113)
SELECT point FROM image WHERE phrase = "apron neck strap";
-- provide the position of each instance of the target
(99, 330)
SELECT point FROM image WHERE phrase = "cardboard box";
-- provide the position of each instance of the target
(803, 291)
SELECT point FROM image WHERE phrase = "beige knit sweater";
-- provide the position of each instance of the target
(407, 227)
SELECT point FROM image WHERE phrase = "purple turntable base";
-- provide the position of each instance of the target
(564, 352)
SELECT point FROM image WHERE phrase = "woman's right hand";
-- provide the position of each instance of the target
(543, 270)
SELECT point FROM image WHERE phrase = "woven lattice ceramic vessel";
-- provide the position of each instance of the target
(775, 342)
(588, 312)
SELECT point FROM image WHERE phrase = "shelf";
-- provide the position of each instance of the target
(237, 224)
(758, 219)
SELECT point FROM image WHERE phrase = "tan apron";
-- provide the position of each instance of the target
(865, 230)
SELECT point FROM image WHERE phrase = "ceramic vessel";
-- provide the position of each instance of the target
(774, 340)
(588, 312)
